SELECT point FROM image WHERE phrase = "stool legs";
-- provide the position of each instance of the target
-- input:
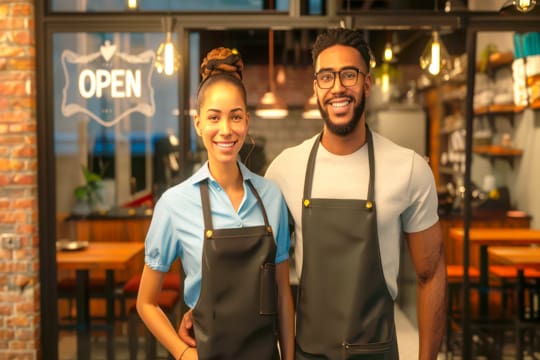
(150, 346)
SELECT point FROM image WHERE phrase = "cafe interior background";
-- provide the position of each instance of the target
(111, 125)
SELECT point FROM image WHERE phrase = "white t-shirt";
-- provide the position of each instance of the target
(405, 194)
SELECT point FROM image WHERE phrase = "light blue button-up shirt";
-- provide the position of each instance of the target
(177, 226)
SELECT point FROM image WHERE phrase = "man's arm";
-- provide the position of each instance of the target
(427, 253)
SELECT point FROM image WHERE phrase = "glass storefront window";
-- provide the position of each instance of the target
(315, 7)
(165, 5)
(114, 115)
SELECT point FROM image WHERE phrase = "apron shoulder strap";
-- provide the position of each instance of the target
(259, 200)
(371, 159)
(310, 168)
(205, 200)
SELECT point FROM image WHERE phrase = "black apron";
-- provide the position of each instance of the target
(235, 316)
(344, 309)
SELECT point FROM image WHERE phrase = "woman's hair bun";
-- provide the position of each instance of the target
(222, 60)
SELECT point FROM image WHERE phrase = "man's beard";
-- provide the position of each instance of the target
(344, 129)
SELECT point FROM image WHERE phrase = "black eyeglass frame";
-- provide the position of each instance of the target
(334, 73)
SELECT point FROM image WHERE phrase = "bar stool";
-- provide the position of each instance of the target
(67, 289)
(507, 275)
(168, 301)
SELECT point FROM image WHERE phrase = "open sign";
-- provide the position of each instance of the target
(118, 80)
(121, 82)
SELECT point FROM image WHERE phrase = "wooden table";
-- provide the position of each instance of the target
(521, 257)
(493, 237)
(98, 256)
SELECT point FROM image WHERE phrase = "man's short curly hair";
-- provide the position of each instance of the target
(341, 36)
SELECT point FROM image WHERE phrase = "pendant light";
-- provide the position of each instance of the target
(132, 4)
(271, 106)
(311, 109)
(388, 52)
(435, 58)
(167, 57)
(524, 5)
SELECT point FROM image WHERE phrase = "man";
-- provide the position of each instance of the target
(352, 193)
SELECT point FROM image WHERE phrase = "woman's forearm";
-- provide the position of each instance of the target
(153, 317)
(285, 311)
(159, 325)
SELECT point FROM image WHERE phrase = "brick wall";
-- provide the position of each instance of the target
(19, 287)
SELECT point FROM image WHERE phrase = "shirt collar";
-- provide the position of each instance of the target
(204, 173)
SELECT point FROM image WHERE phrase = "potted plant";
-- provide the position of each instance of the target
(88, 195)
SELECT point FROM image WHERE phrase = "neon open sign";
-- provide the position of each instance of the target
(121, 82)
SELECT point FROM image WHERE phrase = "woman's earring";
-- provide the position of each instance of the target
(250, 151)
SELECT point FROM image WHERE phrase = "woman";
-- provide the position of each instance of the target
(229, 227)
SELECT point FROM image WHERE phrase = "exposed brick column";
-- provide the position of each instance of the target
(19, 268)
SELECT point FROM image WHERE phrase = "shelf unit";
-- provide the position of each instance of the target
(492, 112)
(447, 98)
(494, 152)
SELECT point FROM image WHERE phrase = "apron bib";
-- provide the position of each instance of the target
(344, 309)
(235, 316)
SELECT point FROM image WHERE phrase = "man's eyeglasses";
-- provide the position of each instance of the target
(348, 77)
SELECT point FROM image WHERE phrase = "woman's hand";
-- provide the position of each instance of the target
(185, 328)
(190, 354)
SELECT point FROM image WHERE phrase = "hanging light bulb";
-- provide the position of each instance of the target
(132, 4)
(271, 106)
(311, 109)
(388, 53)
(372, 61)
(435, 57)
(281, 77)
(524, 5)
(167, 58)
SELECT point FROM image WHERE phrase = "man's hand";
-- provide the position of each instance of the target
(185, 329)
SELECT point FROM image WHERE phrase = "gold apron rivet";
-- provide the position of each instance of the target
(269, 229)
(306, 203)
(209, 233)
(369, 205)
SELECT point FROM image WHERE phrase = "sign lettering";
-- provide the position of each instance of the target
(122, 83)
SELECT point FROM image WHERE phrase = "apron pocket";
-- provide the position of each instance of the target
(372, 351)
(268, 299)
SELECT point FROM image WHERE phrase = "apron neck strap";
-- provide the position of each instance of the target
(259, 200)
(207, 213)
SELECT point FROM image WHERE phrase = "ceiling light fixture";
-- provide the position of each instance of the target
(524, 5)
(389, 48)
(132, 4)
(271, 106)
(388, 54)
(435, 57)
(167, 57)
(311, 109)
(372, 61)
